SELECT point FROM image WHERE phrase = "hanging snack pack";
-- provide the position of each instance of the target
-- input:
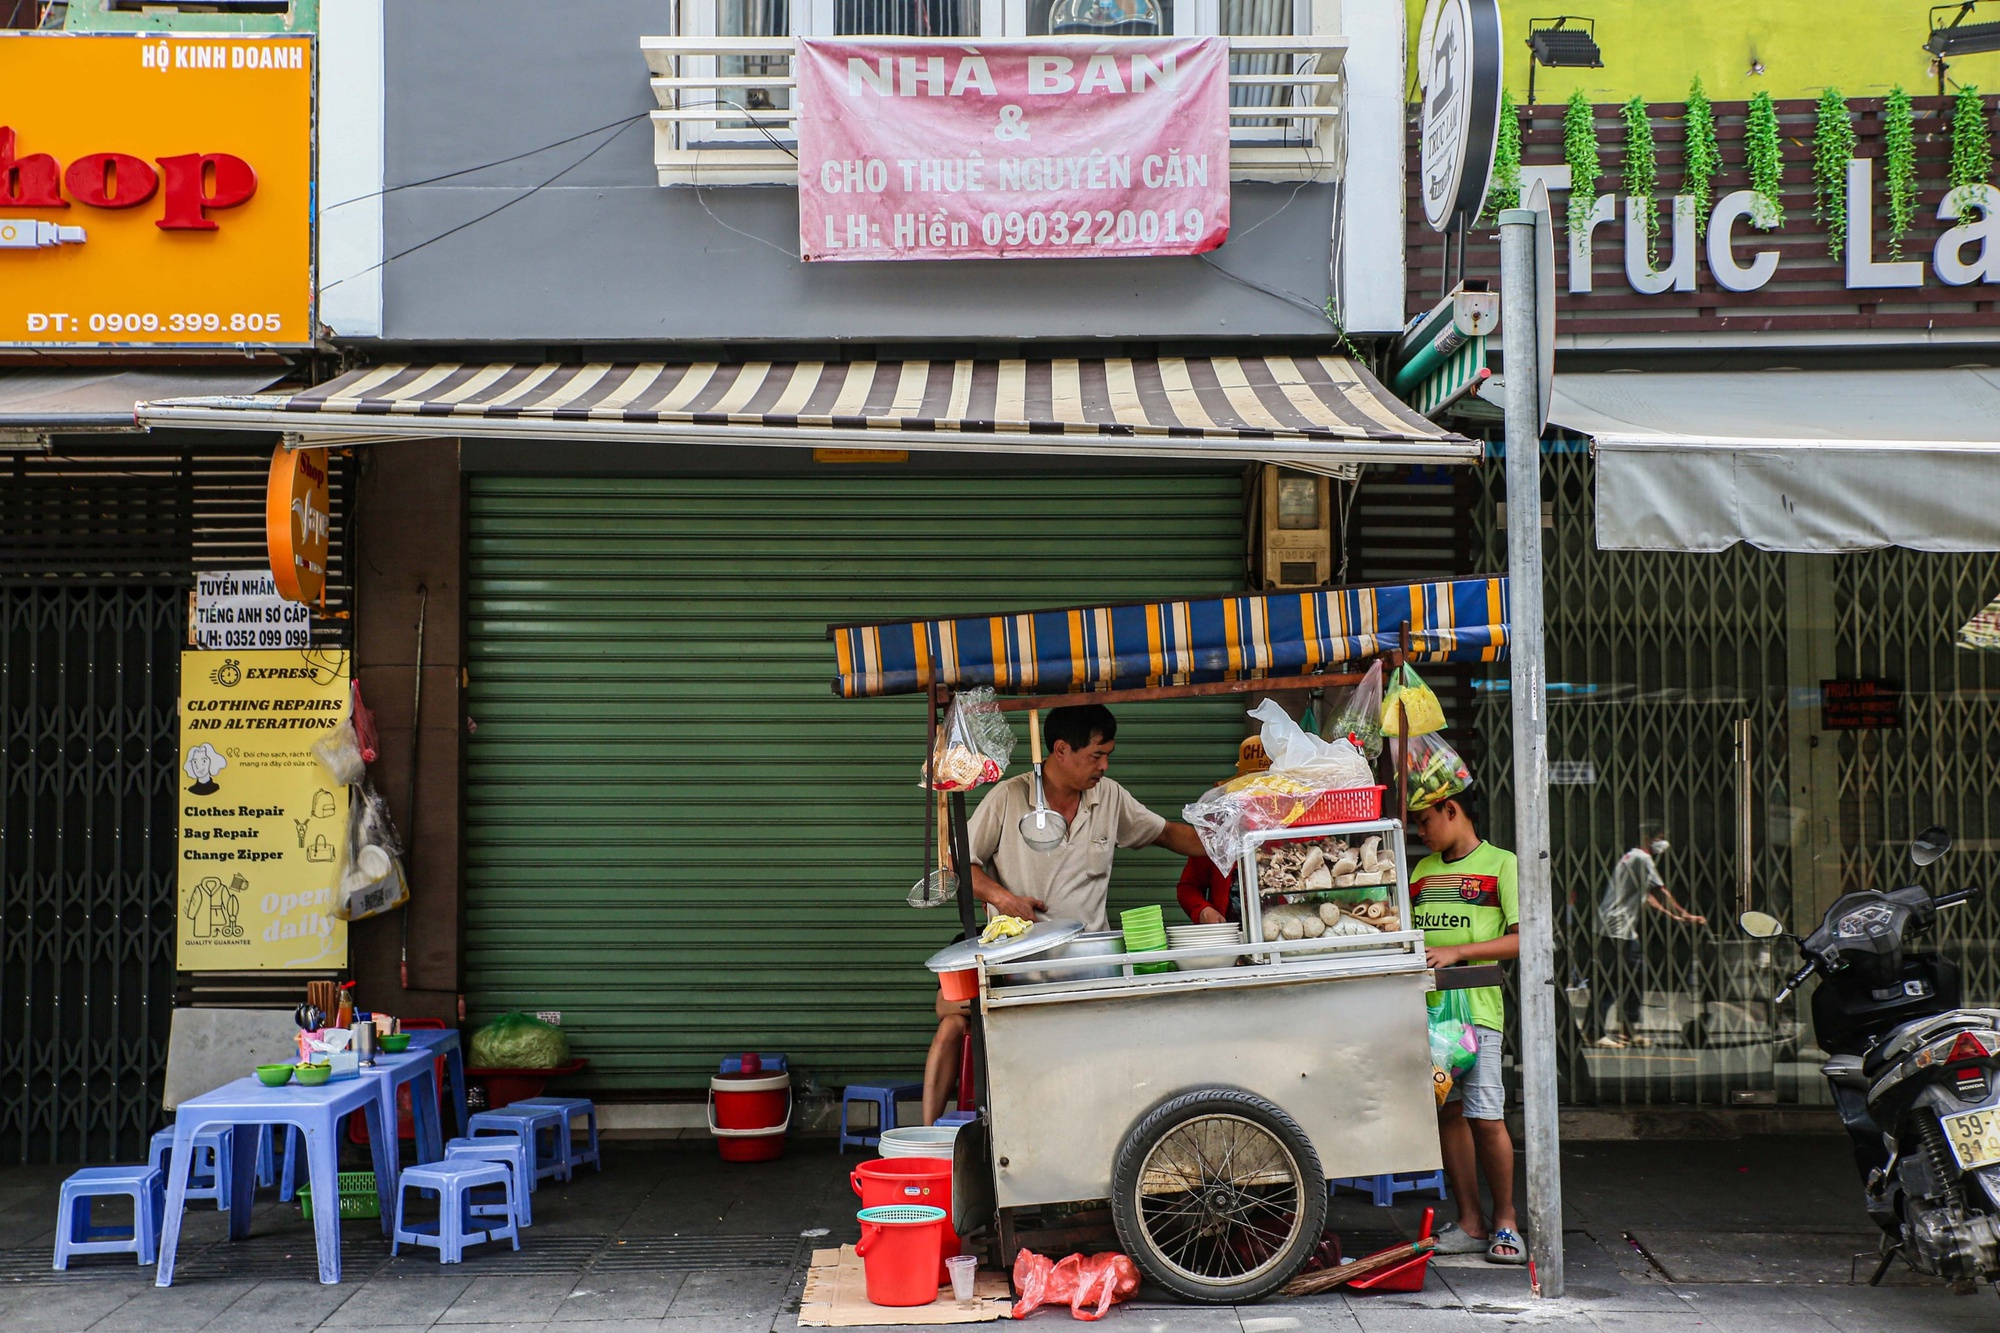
(1407, 696)
(1435, 769)
(1358, 717)
(973, 745)
(371, 874)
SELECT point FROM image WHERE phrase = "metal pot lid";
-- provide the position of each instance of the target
(1040, 938)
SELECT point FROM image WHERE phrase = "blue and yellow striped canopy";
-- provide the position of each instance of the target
(1218, 638)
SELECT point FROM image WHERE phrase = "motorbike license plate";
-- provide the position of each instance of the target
(1974, 1137)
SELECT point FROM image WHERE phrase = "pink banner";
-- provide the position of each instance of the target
(1042, 149)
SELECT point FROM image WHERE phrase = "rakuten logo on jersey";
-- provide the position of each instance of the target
(187, 184)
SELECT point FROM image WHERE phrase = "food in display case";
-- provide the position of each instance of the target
(1314, 887)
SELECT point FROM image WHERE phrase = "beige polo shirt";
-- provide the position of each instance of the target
(1075, 878)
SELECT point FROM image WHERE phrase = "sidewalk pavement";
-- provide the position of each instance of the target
(1741, 1236)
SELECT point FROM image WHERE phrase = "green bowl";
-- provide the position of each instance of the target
(312, 1076)
(395, 1043)
(274, 1076)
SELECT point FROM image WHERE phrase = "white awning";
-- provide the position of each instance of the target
(1791, 460)
(96, 400)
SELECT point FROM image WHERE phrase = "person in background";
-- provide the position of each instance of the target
(1207, 892)
(1635, 884)
(1465, 897)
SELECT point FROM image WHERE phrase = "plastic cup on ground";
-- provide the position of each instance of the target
(964, 1270)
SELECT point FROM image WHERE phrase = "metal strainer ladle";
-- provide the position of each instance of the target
(1041, 828)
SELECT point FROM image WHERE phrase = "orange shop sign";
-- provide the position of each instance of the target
(298, 523)
(155, 191)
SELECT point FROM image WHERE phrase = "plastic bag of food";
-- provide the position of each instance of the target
(1406, 694)
(1454, 1042)
(1092, 1284)
(1435, 770)
(973, 745)
(339, 752)
(518, 1041)
(1302, 765)
(1359, 716)
(371, 874)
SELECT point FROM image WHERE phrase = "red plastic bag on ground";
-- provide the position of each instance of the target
(1092, 1284)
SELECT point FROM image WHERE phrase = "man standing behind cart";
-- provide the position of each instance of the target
(1070, 883)
(1465, 898)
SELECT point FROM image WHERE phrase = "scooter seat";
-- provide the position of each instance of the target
(1846, 1071)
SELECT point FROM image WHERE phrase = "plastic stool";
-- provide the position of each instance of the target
(454, 1230)
(76, 1234)
(208, 1173)
(527, 1124)
(883, 1097)
(572, 1107)
(512, 1152)
(1384, 1189)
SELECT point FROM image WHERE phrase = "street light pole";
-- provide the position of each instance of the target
(1519, 293)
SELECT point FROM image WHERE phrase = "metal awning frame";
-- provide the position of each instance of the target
(314, 430)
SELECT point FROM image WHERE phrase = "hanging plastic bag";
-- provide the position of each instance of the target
(1359, 715)
(1435, 770)
(1091, 1284)
(371, 874)
(340, 754)
(973, 745)
(1302, 765)
(364, 726)
(1454, 1042)
(1406, 694)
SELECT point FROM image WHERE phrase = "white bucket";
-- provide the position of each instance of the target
(918, 1141)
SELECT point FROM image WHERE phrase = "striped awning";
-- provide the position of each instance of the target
(1219, 638)
(1311, 411)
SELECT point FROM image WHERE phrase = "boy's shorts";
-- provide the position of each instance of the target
(1479, 1089)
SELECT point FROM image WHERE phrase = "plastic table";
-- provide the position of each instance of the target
(444, 1041)
(419, 1069)
(317, 1112)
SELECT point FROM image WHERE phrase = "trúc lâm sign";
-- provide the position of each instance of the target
(1054, 148)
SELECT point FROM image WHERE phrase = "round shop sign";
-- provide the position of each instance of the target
(298, 523)
(1458, 68)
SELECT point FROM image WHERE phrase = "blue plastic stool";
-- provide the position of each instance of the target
(572, 1107)
(76, 1234)
(510, 1151)
(527, 1123)
(883, 1097)
(1384, 1189)
(208, 1174)
(456, 1226)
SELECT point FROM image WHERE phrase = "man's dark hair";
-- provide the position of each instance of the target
(1080, 725)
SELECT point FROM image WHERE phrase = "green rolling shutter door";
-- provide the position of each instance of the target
(677, 836)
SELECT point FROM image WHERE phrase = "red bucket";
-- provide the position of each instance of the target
(919, 1180)
(749, 1114)
(899, 1250)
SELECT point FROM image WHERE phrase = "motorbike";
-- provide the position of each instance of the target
(1912, 1071)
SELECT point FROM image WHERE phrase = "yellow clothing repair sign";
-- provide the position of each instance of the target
(263, 823)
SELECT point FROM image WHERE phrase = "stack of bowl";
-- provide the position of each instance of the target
(1145, 932)
(1224, 935)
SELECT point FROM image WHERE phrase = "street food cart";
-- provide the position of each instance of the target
(1209, 1104)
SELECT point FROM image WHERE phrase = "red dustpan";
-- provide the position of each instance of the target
(1406, 1276)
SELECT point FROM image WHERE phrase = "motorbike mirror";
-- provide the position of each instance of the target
(1761, 925)
(1929, 845)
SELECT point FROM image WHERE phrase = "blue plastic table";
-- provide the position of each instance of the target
(419, 1069)
(317, 1112)
(444, 1041)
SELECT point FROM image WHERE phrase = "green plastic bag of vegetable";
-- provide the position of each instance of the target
(518, 1041)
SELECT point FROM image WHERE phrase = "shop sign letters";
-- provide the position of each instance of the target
(241, 608)
(262, 822)
(1050, 148)
(1968, 252)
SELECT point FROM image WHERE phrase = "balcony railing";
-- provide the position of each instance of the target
(728, 109)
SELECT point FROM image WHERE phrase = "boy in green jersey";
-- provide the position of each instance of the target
(1465, 899)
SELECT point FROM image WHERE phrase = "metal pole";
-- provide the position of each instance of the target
(1529, 695)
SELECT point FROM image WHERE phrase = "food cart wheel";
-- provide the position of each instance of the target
(1218, 1196)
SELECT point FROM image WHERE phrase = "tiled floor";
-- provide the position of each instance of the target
(1751, 1235)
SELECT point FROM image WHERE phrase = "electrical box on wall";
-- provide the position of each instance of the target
(1293, 541)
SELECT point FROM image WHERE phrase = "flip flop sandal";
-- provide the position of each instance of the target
(1504, 1239)
(1452, 1239)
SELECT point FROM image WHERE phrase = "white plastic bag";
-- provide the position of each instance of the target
(371, 875)
(1301, 764)
(1299, 755)
(340, 753)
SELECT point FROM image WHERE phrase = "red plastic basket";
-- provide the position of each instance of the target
(1343, 805)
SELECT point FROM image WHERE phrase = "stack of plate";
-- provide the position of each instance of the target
(1145, 932)
(1223, 935)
